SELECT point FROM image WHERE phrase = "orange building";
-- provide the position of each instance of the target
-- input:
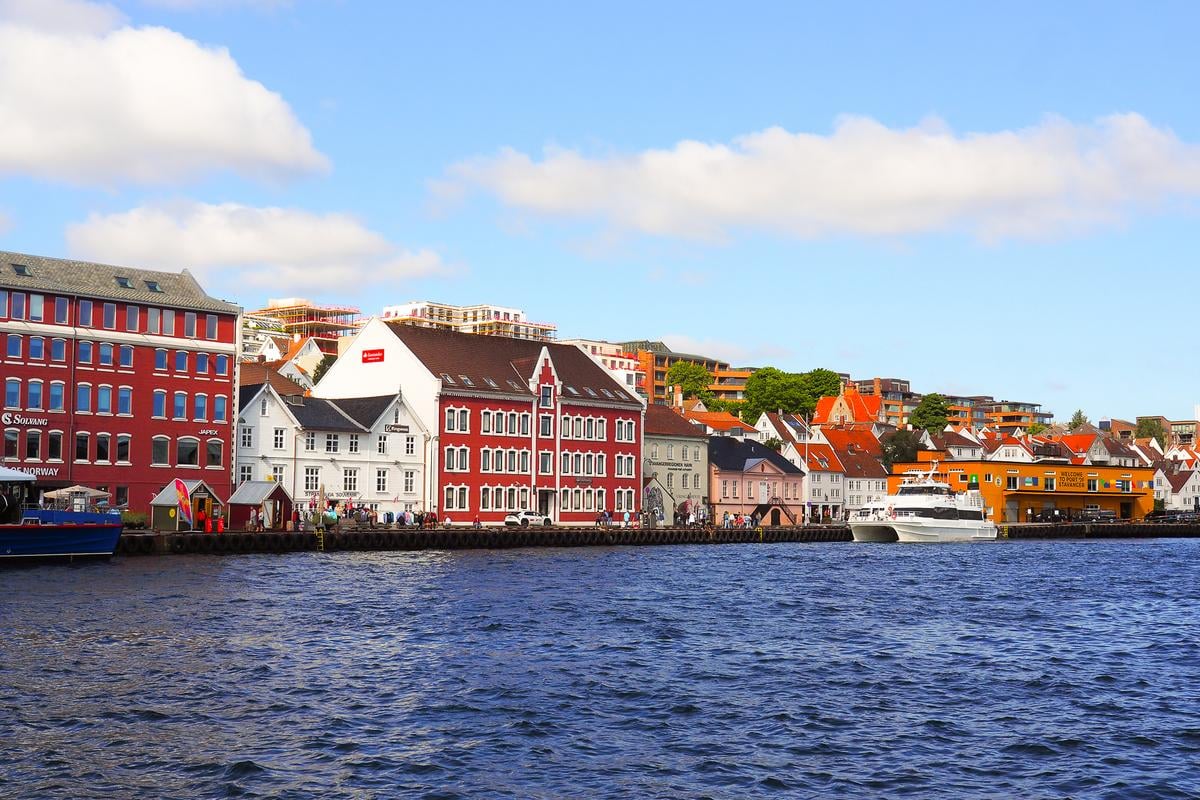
(1019, 492)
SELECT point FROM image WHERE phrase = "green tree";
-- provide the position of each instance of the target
(771, 389)
(899, 447)
(1078, 420)
(930, 414)
(775, 443)
(1152, 428)
(1037, 427)
(821, 383)
(322, 368)
(692, 379)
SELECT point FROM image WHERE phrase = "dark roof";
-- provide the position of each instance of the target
(246, 394)
(319, 414)
(365, 410)
(727, 453)
(664, 421)
(475, 364)
(66, 276)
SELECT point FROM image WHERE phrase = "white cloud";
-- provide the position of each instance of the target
(61, 16)
(862, 179)
(86, 101)
(258, 247)
(198, 5)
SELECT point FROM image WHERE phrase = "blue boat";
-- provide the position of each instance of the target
(34, 533)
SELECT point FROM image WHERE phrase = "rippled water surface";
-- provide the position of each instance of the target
(1011, 669)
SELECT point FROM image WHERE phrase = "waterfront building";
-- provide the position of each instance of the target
(117, 378)
(1182, 490)
(824, 479)
(323, 323)
(751, 479)
(863, 474)
(515, 424)
(1017, 491)
(676, 465)
(482, 319)
(365, 451)
(623, 365)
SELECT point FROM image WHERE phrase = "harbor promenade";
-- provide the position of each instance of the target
(494, 538)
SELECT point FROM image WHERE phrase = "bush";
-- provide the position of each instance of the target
(134, 520)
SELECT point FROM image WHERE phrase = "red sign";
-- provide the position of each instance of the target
(372, 356)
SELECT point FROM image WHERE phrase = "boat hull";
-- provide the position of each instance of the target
(939, 531)
(86, 540)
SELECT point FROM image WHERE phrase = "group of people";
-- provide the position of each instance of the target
(739, 520)
(606, 519)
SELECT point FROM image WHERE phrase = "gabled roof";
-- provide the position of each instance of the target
(251, 373)
(858, 451)
(864, 407)
(319, 414)
(782, 427)
(720, 421)
(366, 411)
(947, 439)
(67, 276)
(821, 457)
(731, 455)
(664, 421)
(474, 364)
(1179, 479)
(1078, 442)
(168, 497)
(252, 493)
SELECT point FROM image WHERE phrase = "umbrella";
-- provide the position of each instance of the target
(75, 491)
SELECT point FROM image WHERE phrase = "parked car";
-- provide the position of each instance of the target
(527, 518)
(1098, 515)
(1172, 516)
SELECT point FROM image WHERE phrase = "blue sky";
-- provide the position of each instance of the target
(994, 201)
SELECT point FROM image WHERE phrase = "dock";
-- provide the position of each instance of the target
(494, 538)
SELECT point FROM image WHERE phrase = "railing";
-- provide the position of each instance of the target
(787, 512)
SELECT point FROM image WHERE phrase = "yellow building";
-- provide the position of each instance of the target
(1021, 492)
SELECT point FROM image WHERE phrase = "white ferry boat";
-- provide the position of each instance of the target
(924, 510)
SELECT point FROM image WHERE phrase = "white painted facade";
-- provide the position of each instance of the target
(382, 465)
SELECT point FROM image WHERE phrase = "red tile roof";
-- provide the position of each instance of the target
(719, 421)
(469, 363)
(664, 421)
(255, 374)
(818, 452)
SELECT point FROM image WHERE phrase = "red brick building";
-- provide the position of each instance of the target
(515, 424)
(116, 378)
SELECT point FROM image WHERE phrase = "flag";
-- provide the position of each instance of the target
(183, 498)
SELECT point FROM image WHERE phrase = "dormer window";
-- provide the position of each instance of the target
(153, 286)
(491, 383)
(447, 379)
(466, 380)
(22, 270)
(123, 282)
